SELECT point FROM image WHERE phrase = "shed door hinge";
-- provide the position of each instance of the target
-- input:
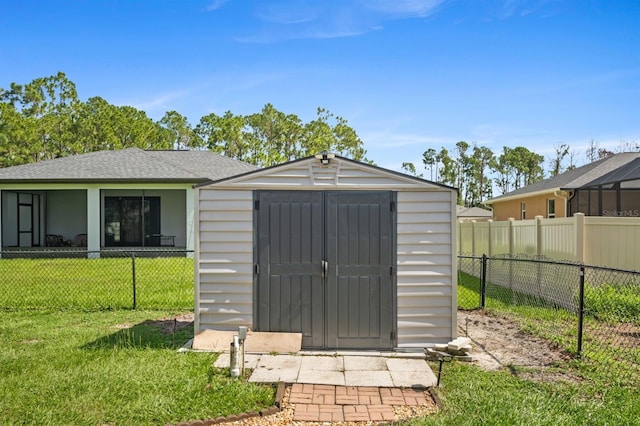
(391, 271)
(257, 269)
(393, 206)
(393, 336)
(256, 205)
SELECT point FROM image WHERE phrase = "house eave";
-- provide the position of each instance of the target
(99, 180)
(551, 191)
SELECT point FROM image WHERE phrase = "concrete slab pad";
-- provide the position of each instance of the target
(368, 363)
(222, 361)
(321, 377)
(413, 378)
(276, 368)
(264, 375)
(368, 378)
(250, 361)
(280, 362)
(407, 364)
(323, 363)
(258, 342)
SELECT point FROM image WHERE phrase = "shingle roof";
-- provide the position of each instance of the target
(630, 171)
(131, 164)
(576, 178)
(462, 211)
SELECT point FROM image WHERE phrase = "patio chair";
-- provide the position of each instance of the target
(54, 240)
(79, 240)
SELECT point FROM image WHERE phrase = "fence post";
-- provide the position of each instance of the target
(580, 310)
(511, 248)
(539, 248)
(489, 238)
(473, 237)
(539, 253)
(133, 275)
(483, 282)
(511, 236)
(579, 233)
(460, 237)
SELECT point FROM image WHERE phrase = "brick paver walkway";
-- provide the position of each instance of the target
(327, 403)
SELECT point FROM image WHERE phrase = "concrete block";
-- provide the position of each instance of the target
(458, 343)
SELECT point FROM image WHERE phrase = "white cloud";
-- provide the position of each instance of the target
(410, 8)
(388, 139)
(296, 19)
(215, 5)
(160, 101)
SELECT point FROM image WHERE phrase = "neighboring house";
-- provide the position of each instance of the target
(607, 187)
(107, 199)
(351, 255)
(467, 214)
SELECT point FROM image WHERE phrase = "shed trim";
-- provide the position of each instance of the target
(411, 181)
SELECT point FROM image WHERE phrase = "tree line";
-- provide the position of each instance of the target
(45, 119)
(477, 171)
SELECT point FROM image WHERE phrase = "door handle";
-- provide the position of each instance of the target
(325, 267)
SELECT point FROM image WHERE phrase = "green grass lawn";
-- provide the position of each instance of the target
(472, 396)
(122, 367)
(96, 284)
(113, 367)
(106, 365)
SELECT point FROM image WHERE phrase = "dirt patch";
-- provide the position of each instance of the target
(169, 325)
(499, 343)
(173, 324)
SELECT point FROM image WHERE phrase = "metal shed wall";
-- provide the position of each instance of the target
(426, 278)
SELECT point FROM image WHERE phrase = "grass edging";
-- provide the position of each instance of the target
(436, 398)
(275, 408)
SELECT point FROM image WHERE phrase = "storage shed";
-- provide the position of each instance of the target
(351, 255)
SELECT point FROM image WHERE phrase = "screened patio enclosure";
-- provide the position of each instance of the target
(93, 219)
(615, 194)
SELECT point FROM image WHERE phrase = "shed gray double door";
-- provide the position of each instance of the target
(324, 267)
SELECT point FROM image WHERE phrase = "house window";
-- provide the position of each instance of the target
(523, 211)
(131, 221)
(551, 208)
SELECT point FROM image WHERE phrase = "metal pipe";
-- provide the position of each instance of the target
(483, 282)
(234, 358)
(580, 310)
(133, 274)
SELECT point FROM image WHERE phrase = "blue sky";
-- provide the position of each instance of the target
(407, 74)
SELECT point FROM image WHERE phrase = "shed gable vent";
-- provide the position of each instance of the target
(324, 175)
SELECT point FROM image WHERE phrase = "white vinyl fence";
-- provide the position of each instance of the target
(612, 242)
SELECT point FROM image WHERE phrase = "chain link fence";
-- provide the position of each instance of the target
(592, 312)
(148, 279)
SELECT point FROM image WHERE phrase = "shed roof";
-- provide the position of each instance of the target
(129, 165)
(341, 172)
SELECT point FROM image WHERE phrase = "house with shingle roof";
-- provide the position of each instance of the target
(607, 187)
(468, 214)
(108, 199)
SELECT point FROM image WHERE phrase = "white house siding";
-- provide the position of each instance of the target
(425, 273)
(426, 277)
(224, 274)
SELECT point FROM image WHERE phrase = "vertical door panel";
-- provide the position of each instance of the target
(359, 286)
(290, 296)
